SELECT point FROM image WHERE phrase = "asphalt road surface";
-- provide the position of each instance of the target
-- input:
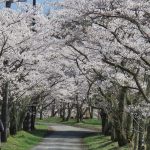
(64, 137)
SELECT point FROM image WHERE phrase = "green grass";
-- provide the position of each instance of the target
(100, 142)
(25, 140)
(86, 123)
(50, 120)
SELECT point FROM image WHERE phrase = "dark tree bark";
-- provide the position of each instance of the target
(119, 118)
(136, 134)
(148, 136)
(113, 134)
(13, 120)
(91, 112)
(33, 117)
(69, 112)
(62, 111)
(104, 119)
(53, 109)
(21, 118)
(78, 113)
(141, 143)
(4, 113)
(41, 114)
(27, 122)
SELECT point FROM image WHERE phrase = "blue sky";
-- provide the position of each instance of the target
(30, 1)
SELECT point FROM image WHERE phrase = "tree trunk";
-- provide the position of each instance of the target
(129, 127)
(120, 133)
(69, 112)
(13, 120)
(148, 121)
(136, 134)
(91, 112)
(141, 145)
(4, 113)
(63, 111)
(21, 119)
(41, 114)
(121, 137)
(104, 119)
(148, 136)
(53, 109)
(78, 113)
(33, 117)
(60, 111)
(27, 122)
(120, 116)
(113, 134)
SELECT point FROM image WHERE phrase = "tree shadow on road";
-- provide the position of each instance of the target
(70, 134)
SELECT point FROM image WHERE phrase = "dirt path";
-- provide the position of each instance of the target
(64, 138)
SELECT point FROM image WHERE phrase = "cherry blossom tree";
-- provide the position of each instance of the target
(111, 39)
(28, 67)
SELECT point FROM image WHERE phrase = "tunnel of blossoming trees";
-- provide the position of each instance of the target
(73, 57)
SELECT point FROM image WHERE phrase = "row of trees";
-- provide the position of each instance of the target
(29, 71)
(35, 75)
(86, 53)
(109, 42)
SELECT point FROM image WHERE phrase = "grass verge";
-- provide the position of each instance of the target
(49, 120)
(93, 124)
(100, 142)
(86, 123)
(25, 140)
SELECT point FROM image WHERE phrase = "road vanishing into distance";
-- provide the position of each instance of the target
(63, 137)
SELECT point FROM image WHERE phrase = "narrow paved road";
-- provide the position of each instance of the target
(64, 138)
